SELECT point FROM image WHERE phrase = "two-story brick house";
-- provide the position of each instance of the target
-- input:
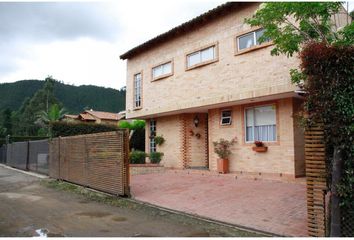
(210, 78)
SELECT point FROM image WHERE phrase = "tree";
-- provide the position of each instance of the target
(308, 28)
(41, 101)
(136, 133)
(6, 124)
(54, 114)
(290, 25)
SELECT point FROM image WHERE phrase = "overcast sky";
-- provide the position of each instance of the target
(80, 42)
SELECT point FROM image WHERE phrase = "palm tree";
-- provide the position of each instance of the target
(54, 114)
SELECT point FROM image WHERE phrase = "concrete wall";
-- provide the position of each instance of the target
(231, 78)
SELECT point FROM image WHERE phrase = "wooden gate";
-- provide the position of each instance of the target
(99, 161)
(316, 180)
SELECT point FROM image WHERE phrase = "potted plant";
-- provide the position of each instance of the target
(222, 149)
(259, 147)
(159, 140)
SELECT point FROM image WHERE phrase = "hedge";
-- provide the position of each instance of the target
(71, 129)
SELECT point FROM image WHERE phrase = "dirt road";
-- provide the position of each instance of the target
(31, 206)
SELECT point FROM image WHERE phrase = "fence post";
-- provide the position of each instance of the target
(27, 157)
(59, 150)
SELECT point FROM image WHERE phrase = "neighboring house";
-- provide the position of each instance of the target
(95, 117)
(209, 78)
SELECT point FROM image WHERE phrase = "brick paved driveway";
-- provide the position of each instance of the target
(271, 206)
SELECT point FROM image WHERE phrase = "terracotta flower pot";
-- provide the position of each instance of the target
(223, 165)
(260, 149)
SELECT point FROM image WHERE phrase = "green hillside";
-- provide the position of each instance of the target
(74, 98)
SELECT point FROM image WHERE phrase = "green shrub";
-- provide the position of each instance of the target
(159, 140)
(71, 129)
(155, 157)
(137, 157)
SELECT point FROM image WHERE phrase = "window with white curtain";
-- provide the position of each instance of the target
(261, 124)
(162, 70)
(137, 90)
(249, 39)
(201, 56)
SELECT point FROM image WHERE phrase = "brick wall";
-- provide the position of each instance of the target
(280, 155)
(231, 78)
(183, 150)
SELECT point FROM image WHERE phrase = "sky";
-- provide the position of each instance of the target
(80, 42)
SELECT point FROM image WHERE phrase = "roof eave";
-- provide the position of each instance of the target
(181, 29)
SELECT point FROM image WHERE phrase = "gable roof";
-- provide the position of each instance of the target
(104, 115)
(87, 117)
(183, 28)
(71, 116)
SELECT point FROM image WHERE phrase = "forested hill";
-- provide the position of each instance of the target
(74, 98)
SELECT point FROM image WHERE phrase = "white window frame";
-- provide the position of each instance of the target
(245, 122)
(137, 86)
(254, 40)
(222, 117)
(201, 62)
(162, 75)
(152, 143)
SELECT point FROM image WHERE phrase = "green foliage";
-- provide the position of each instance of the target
(330, 99)
(54, 114)
(73, 98)
(159, 140)
(133, 125)
(6, 123)
(137, 157)
(291, 24)
(41, 101)
(72, 129)
(222, 147)
(124, 124)
(155, 157)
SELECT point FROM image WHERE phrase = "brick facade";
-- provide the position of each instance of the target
(231, 81)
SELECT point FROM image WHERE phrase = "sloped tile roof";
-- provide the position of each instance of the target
(104, 115)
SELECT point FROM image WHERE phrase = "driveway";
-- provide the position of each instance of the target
(270, 206)
(29, 207)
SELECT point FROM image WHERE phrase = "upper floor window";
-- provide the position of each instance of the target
(202, 56)
(137, 90)
(249, 39)
(162, 70)
(261, 124)
(225, 117)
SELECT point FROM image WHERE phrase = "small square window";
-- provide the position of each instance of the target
(225, 117)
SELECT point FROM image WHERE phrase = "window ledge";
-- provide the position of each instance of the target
(137, 108)
(201, 64)
(253, 48)
(162, 77)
